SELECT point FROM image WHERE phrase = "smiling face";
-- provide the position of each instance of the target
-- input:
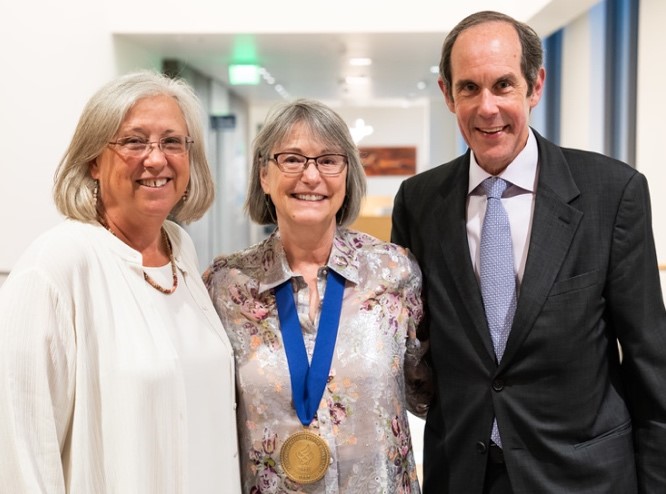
(489, 93)
(307, 199)
(133, 190)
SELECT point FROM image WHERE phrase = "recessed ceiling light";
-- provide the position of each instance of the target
(360, 61)
(434, 69)
(282, 91)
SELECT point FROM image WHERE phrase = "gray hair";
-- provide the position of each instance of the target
(532, 50)
(325, 124)
(99, 122)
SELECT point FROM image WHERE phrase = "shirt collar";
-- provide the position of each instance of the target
(342, 260)
(522, 171)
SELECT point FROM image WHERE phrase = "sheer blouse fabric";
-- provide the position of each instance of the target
(362, 414)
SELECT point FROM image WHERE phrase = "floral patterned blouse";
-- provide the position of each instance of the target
(363, 413)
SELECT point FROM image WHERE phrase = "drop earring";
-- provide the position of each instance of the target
(95, 192)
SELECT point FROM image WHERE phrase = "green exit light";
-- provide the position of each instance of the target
(244, 74)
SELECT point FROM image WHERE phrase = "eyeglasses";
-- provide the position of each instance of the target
(137, 147)
(295, 163)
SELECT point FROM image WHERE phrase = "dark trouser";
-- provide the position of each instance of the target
(497, 478)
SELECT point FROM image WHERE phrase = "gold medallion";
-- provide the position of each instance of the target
(305, 457)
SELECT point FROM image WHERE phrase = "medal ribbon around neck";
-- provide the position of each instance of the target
(309, 380)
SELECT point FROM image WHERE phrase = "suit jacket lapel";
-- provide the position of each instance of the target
(553, 227)
(449, 217)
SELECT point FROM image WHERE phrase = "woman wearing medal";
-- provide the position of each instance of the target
(322, 320)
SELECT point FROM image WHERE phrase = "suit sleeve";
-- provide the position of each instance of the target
(419, 379)
(398, 220)
(636, 310)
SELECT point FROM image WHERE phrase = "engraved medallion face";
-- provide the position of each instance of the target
(305, 457)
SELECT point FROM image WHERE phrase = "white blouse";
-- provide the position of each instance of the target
(107, 385)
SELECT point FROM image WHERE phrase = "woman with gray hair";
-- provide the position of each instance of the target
(322, 320)
(115, 373)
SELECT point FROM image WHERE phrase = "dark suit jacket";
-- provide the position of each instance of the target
(574, 417)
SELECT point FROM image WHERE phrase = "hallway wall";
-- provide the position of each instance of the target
(651, 108)
(50, 69)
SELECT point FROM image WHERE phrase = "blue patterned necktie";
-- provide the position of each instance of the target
(496, 271)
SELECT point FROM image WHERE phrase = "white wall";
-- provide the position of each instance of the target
(651, 108)
(48, 74)
(582, 82)
(394, 126)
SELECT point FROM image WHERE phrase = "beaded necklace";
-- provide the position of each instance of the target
(149, 280)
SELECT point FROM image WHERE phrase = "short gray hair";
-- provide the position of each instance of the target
(532, 50)
(325, 124)
(99, 122)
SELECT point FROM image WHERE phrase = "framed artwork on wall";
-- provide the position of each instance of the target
(388, 160)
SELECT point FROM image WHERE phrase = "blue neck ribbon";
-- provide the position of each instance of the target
(308, 381)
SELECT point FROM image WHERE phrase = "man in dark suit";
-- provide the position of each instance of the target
(578, 392)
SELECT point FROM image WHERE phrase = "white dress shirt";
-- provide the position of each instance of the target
(104, 380)
(518, 201)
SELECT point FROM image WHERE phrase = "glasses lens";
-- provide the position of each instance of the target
(290, 162)
(132, 145)
(173, 145)
(331, 164)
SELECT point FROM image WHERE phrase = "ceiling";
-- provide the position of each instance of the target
(316, 64)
